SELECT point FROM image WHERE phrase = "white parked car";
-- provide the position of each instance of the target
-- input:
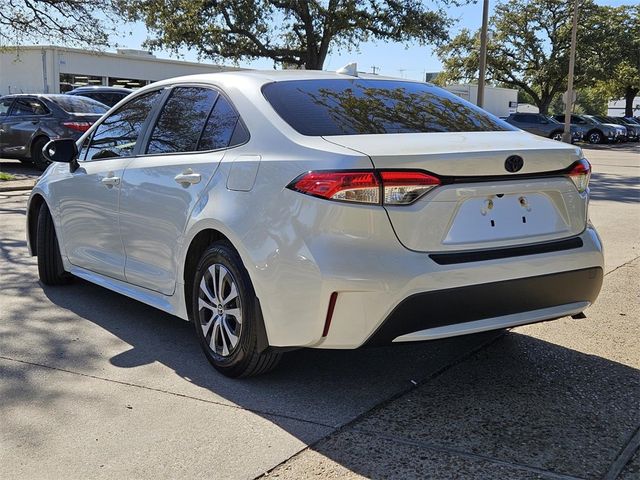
(290, 209)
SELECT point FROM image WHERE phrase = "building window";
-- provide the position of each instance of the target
(69, 81)
(131, 83)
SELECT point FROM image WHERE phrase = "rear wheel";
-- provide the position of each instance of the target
(226, 315)
(37, 156)
(556, 136)
(50, 267)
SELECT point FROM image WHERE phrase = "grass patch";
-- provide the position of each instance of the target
(5, 177)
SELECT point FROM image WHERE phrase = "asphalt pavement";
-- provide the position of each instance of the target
(95, 385)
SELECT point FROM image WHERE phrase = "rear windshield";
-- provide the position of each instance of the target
(363, 106)
(73, 104)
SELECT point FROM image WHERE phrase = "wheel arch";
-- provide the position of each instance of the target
(35, 204)
(199, 243)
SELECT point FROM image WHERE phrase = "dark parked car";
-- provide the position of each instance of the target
(28, 122)
(542, 125)
(107, 95)
(633, 129)
(597, 131)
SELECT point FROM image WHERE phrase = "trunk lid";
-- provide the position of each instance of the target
(469, 213)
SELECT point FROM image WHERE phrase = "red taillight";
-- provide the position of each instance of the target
(403, 187)
(580, 173)
(391, 187)
(77, 126)
(352, 186)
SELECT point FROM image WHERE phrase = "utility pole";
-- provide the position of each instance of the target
(483, 53)
(374, 69)
(566, 135)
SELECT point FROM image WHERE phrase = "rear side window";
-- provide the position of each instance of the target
(117, 135)
(78, 104)
(182, 120)
(362, 106)
(5, 105)
(28, 106)
(220, 126)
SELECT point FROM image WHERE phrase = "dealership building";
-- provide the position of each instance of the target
(51, 69)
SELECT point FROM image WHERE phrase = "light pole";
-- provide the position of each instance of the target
(566, 135)
(483, 53)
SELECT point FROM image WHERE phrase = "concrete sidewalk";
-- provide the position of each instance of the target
(95, 385)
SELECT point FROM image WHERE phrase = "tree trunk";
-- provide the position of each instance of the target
(543, 105)
(629, 95)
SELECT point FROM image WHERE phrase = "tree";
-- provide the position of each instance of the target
(56, 21)
(529, 48)
(619, 68)
(290, 32)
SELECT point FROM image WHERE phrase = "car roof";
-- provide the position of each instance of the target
(94, 88)
(261, 77)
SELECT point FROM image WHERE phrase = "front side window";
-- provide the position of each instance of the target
(117, 135)
(182, 120)
(366, 106)
(28, 106)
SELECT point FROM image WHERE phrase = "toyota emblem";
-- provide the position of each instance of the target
(513, 164)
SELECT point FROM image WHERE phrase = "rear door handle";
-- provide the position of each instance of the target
(188, 178)
(110, 181)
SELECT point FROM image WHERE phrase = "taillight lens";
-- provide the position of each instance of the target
(78, 126)
(391, 187)
(580, 173)
(403, 188)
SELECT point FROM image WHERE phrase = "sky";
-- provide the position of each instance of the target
(390, 58)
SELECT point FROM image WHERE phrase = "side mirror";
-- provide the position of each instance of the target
(62, 150)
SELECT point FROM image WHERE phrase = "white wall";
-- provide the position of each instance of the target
(616, 107)
(499, 101)
(24, 70)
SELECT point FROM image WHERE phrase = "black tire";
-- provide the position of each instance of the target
(50, 267)
(595, 136)
(36, 153)
(246, 358)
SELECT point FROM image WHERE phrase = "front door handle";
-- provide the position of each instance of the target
(188, 178)
(110, 180)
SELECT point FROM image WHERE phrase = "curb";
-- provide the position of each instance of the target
(16, 185)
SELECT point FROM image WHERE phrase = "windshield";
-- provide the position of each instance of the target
(73, 104)
(362, 106)
(602, 119)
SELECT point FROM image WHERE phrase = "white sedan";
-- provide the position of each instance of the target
(278, 210)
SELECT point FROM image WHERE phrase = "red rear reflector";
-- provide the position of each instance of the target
(332, 306)
(580, 173)
(77, 126)
(353, 186)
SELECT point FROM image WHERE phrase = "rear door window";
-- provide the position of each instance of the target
(182, 120)
(28, 106)
(117, 135)
(358, 106)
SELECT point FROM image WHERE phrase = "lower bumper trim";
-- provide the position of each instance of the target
(472, 303)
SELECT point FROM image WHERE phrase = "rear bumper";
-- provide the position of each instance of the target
(555, 293)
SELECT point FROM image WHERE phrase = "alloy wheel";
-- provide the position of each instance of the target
(594, 137)
(220, 310)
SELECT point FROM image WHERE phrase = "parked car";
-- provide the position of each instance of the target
(596, 130)
(28, 122)
(400, 213)
(542, 125)
(107, 95)
(633, 129)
